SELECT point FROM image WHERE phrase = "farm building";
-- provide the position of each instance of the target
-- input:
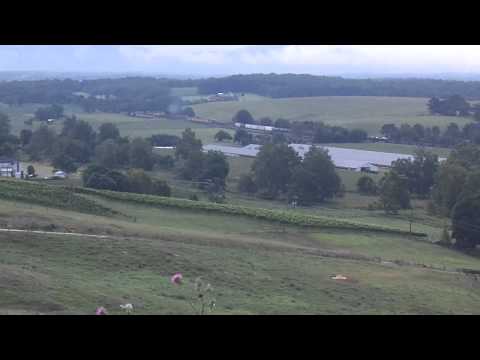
(10, 167)
(351, 159)
(261, 128)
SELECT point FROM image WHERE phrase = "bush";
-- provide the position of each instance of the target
(366, 185)
(246, 184)
(161, 188)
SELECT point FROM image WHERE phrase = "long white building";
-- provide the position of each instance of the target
(342, 158)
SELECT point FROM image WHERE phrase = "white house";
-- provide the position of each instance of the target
(10, 168)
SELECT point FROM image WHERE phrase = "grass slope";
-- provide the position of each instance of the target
(254, 268)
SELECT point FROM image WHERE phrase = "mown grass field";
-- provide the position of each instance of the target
(368, 113)
(254, 266)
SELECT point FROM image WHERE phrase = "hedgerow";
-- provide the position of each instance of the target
(48, 195)
(258, 213)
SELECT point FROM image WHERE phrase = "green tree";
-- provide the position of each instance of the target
(41, 144)
(193, 166)
(108, 131)
(65, 163)
(141, 155)
(420, 172)
(101, 181)
(244, 117)
(273, 168)
(187, 145)
(246, 184)
(161, 188)
(394, 195)
(215, 167)
(282, 123)
(25, 136)
(222, 135)
(139, 181)
(266, 121)
(315, 179)
(106, 154)
(188, 111)
(366, 185)
(243, 137)
(466, 222)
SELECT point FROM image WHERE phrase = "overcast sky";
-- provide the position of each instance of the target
(233, 59)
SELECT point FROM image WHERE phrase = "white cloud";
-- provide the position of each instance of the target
(208, 54)
(400, 58)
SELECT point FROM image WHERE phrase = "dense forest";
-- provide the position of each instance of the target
(291, 85)
(152, 94)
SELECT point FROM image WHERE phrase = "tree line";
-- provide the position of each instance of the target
(432, 136)
(454, 105)
(299, 131)
(452, 188)
(303, 85)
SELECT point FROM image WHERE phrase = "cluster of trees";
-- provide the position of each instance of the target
(109, 95)
(135, 180)
(300, 131)
(209, 169)
(278, 171)
(456, 193)
(319, 132)
(164, 140)
(432, 136)
(78, 144)
(406, 177)
(302, 85)
(153, 94)
(451, 106)
(49, 112)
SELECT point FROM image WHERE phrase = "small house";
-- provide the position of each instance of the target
(10, 167)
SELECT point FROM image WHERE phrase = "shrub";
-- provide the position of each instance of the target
(366, 185)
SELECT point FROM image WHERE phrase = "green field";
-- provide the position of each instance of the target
(368, 113)
(254, 266)
(128, 126)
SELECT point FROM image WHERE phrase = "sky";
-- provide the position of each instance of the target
(213, 60)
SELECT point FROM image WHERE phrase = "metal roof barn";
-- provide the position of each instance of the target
(343, 158)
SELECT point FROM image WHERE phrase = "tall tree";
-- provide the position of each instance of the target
(393, 190)
(273, 168)
(108, 131)
(187, 145)
(315, 179)
(244, 117)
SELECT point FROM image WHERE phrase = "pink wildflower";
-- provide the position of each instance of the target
(176, 278)
(101, 311)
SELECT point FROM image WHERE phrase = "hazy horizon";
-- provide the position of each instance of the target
(449, 61)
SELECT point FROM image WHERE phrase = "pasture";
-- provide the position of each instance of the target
(254, 266)
(128, 126)
(363, 112)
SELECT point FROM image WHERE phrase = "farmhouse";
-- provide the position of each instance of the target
(10, 167)
(351, 159)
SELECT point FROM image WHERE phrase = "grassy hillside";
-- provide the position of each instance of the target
(254, 266)
(368, 113)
